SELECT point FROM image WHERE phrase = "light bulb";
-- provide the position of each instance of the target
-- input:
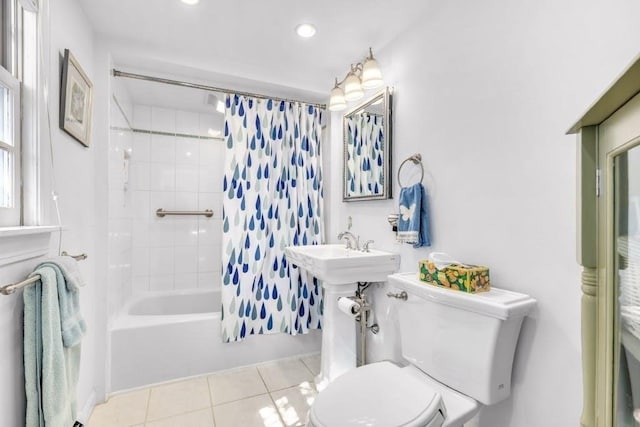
(306, 30)
(337, 101)
(371, 74)
(352, 88)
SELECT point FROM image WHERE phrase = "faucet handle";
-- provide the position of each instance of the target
(347, 242)
(365, 247)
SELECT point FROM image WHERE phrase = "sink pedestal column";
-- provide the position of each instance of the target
(338, 353)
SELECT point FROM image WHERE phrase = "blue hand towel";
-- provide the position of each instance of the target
(51, 366)
(413, 221)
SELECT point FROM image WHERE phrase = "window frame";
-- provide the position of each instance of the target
(20, 57)
(12, 215)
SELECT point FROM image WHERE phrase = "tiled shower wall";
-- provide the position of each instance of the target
(176, 172)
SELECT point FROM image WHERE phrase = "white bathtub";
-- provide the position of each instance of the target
(167, 335)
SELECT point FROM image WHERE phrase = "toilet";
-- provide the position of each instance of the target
(458, 352)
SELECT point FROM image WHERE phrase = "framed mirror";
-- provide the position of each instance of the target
(367, 131)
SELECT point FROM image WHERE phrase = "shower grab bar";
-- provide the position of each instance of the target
(162, 213)
(12, 287)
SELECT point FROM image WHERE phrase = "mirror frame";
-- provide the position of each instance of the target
(386, 94)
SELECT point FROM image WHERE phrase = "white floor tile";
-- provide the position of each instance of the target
(313, 363)
(227, 387)
(258, 411)
(178, 398)
(121, 410)
(202, 418)
(284, 374)
(294, 403)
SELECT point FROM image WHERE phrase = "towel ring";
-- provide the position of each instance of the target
(416, 159)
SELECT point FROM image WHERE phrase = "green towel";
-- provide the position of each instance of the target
(51, 368)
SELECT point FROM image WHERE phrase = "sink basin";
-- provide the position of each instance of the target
(334, 264)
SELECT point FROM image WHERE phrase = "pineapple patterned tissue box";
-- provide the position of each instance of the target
(466, 278)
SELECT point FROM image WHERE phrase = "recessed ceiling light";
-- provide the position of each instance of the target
(306, 30)
(190, 2)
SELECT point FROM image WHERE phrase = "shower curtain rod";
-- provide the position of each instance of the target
(118, 73)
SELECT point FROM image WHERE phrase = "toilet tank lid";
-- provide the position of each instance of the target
(498, 303)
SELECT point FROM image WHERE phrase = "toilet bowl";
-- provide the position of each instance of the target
(385, 394)
(457, 352)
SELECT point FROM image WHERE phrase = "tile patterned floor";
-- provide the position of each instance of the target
(275, 394)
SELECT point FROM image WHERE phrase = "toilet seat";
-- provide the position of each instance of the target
(381, 394)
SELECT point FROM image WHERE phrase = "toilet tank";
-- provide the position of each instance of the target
(465, 341)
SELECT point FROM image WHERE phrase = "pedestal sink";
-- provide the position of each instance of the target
(340, 270)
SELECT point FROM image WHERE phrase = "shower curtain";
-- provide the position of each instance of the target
(273, 199)
(365, 151)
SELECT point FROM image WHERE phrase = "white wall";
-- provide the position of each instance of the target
(485, 91)
(179, 171)
(80, 179)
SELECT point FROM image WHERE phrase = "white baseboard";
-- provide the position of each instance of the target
(87, 408)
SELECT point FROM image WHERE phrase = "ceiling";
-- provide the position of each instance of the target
(253, 40)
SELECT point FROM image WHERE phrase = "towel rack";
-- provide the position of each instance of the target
(162, 213)
(416, 159)
(11, 288)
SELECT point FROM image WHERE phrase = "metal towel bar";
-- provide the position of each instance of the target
(11, 288)
(162, 213)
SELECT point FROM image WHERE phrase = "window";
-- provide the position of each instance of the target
(18, 71)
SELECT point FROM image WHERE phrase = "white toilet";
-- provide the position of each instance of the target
(458, 350)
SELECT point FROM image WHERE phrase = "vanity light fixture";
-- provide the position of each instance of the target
(363, 75)
(306, 30)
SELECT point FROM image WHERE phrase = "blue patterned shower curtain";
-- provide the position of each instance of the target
(273, 199)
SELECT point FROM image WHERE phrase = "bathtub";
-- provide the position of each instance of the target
(162, 336)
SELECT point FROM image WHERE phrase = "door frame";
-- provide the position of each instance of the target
(597, 302)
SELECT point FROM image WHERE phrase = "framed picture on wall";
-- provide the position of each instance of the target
(75, 100)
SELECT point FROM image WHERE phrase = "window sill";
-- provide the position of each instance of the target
(23, 243)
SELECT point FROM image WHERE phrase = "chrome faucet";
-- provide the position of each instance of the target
(352, 241)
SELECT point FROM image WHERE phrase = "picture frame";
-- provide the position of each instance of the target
(76, 100)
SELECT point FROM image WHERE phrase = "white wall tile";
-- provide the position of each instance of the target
(161, 199)
(210, 121)
(186, 281)
(163, 119)
(186, 232)
(186, 178)
(141, 207)
(186, 201)
(187, 151)
(142, 117)
(211, 201)
(140, 260)
(141, 150)
(140, 235)
(209, 180)
(161, 260)
(209, 259)
(161, 233)
(186, 259)
(161, 282)
(212, 154)
(209, 280)
(209, 232)
(187, 122)
(163, 148)
(140, 174)
(140, 285)
(163, 177)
